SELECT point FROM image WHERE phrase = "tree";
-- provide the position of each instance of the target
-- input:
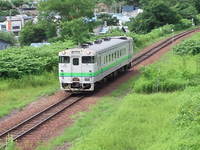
(155, 15)
(197, 5)
(34, 33)
(68, 9)
(76, 30)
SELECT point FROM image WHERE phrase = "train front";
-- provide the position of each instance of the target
(76, 70)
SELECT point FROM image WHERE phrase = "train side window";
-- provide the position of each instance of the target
(106, 59)
(100, 60)
(112, 56)
(64, 59)
(109, 57)
(88, 59)
(75, 61)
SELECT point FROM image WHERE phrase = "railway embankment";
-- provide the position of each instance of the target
(46, 78)
(157, 110)
(28, 73)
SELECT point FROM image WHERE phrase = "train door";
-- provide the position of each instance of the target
(76, 68)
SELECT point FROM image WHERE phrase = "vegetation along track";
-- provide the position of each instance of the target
(40, 118)
(160, 46)
(34, 121)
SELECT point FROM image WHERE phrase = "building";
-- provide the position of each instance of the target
(4, 44)
(15, 23)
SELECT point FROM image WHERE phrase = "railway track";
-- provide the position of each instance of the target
(157, 48)
(31, 123)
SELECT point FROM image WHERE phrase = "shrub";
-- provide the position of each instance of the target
(177, 73)
(191, 47)
(8, 37)
(16, 62)
(184, 24)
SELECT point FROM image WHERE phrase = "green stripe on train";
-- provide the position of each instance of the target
(93, 74)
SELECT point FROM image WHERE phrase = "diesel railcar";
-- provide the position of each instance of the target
(80, 69)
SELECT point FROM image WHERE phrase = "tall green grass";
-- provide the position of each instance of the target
(176, 71)
(146, 122)
(17, 93)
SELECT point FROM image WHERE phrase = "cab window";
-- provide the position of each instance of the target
(64, 59)
(88, 59)
(75, 61)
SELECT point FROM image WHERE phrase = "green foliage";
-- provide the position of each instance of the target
(17, 93)
(111, 21)
(185, 9)
(183, 24)
(154, 16)
(8, 37)
(5, 5)
(175, 73)
(34, 33)
(6, 9)
(197, 5)
(191, 47)
(16, 62)
(158, 13)
(68, 9)
(75, 30)
(170, 75)
(142, 40)
(10, 144)
(18, 3)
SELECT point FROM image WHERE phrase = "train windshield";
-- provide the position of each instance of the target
(88, 59)
(64, 59)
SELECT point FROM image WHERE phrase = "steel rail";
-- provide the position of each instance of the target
(158, 47)
(74, 99)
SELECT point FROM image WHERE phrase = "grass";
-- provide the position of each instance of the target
(140, 121)
(17, 93)
(88, 121)
(179, 73)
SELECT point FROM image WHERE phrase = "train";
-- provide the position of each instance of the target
(82, 68)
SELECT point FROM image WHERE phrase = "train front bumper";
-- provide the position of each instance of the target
(77, 87)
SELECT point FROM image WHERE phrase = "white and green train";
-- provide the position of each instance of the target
(81, 69)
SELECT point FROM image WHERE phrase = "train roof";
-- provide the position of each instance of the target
(108, 43)
(103, 44)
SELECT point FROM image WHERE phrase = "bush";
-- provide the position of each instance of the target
(191, 47)
(16, 62)
(169, 75)
(184, 24)
(8, 37)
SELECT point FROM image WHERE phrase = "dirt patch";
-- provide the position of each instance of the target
(55, 126)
